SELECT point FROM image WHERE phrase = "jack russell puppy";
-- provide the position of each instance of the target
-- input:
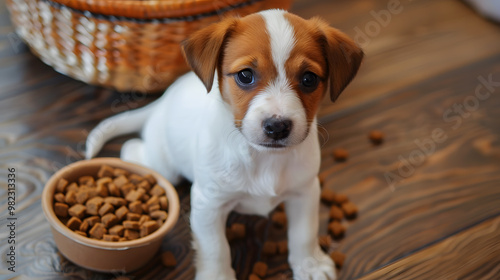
(251, 143)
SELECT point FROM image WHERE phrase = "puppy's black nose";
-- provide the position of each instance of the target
(277, 128)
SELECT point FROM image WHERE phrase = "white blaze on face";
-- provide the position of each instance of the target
(278, 98)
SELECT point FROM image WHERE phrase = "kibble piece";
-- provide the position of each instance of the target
(157, 190)
(151, 179)
(86, 180)
(160, 222)
(340, 155)
(337, 229)
(115, 201)
(97, 231)
(105, 181)
(70, 197)
(135, 207)
(253, 277)
(131, 234)
(145, 197)
(113, 190)
(376, 137)
(122, 239)
(82, 196)
(120, 181)
(74, 223)
(135, 195)
(131, 225)
(144, 184)
(105, 171)
(238, 230)
(84, 226)
(93, 205)
(325, 241)
(327, 195)
(336, 213)
(81, 233)
(128, 187)
(77, 210)
(117, 230)
(117, 172)
(61, 209)
(148, 228)
(109, 237)
(283, 247)
(93, 220)
(121, 213)
(106, 208)
(163, 202)
(61, 185)
(269, 248)
(136, 179)
(341, 198)
(72, 187)
(338, 258)
(153, 200)
(133, 216)
(168, 259)
(279, 219)
(143, 219)
(153, 208)
(59, 197)
(102, 190)
(145, 208)
(350, 210)
(260, 269)
(159, 215)
(109, 220)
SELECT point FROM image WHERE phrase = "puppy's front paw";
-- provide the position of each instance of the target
(206, 274)
(318, 267)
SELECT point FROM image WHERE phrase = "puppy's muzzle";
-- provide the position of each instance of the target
(277, 128)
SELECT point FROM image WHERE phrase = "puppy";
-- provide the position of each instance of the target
(251, 142)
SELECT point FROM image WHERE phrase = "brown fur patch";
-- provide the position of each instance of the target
(307, 56)
(248, 47)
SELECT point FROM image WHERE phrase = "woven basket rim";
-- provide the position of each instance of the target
(152, 9)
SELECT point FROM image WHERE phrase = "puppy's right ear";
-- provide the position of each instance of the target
(203, 49)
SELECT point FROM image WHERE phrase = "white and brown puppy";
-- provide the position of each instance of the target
(252, 142)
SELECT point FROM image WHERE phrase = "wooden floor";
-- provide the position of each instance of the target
(429, 196)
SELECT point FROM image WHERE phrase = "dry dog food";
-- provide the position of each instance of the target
(336, 229)
(327, 195)
(269, 248)
(376, 137)
(283, 247)
(340, 155)
(168, 259)
(338, 258)
(113, 206)
(279, 219)
(350, 210)
(336, 213)
(260, 269)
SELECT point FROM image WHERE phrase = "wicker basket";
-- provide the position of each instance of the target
(129, 45)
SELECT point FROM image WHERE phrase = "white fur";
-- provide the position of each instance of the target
(192, 134)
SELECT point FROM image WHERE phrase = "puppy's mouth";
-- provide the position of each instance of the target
(273, 145)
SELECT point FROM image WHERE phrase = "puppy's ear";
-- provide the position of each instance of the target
(344, 58)
(203, 49)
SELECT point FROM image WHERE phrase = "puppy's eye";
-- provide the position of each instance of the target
(309, 82)
(245, 77)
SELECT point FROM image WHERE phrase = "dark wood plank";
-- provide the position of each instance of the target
(453, 258)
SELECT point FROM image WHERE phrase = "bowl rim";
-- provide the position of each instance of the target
(48, 209)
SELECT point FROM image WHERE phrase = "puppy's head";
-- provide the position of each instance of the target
(273, 70)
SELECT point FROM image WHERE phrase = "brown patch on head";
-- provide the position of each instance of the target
(248, 47)
(307, 56)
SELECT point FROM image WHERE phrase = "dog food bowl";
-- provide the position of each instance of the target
(106, 256)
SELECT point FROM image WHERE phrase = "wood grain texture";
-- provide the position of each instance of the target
(437, 218)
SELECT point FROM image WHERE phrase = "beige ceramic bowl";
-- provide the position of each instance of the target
(99, 255)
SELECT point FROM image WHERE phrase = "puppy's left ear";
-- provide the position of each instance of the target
(344, 58)
(203, 49)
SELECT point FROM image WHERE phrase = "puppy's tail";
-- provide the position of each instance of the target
(123, 123)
